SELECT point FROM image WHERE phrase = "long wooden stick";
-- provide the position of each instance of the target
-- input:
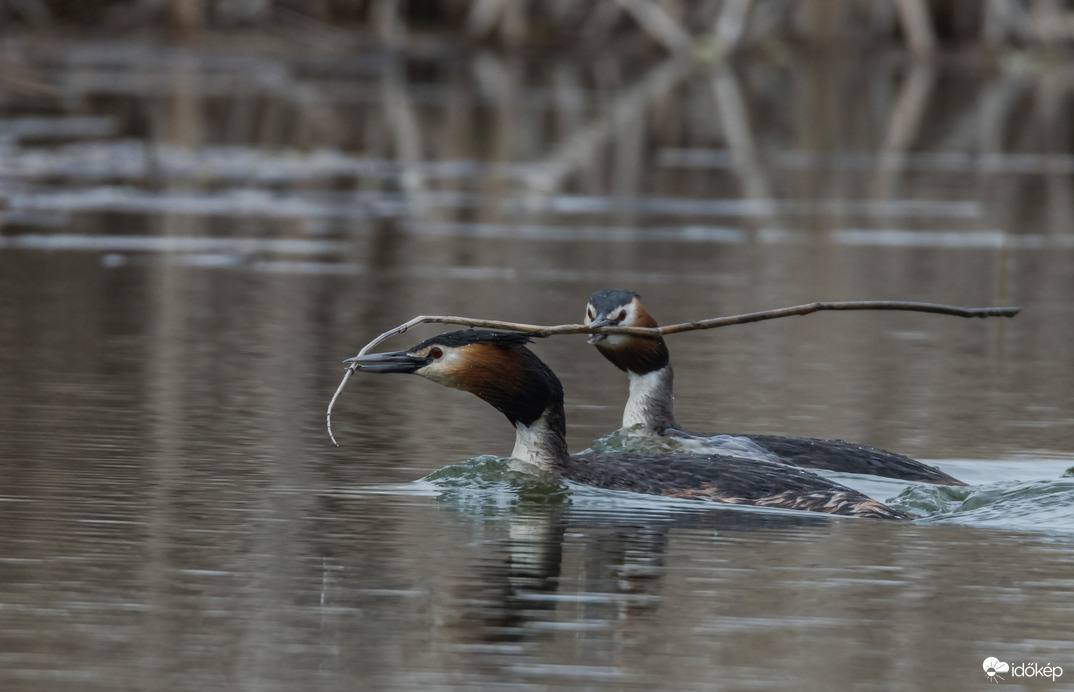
(543, 330)
(810, 308)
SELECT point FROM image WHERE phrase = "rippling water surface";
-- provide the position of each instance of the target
(188, 250)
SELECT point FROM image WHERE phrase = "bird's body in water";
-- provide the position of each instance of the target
(650, 405)
(498, 368)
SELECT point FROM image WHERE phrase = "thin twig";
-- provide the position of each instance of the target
(660, 26)
(542, 330)
(810, 308)
(917, 26)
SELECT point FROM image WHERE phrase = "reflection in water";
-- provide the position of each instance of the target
(646, 595)
(191, 243)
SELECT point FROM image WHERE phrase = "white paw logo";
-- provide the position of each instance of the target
(993, 667)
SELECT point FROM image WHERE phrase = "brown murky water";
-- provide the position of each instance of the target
(192, 242)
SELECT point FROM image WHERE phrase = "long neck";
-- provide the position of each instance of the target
(541, 441)
(648, 365)
(523, 388)
(652, 400)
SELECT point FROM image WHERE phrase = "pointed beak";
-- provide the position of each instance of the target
(395, 361)
(600, 322)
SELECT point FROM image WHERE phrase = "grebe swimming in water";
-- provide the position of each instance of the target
(497, 367)
(647, 364)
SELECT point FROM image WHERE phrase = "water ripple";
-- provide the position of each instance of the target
(1042, 505)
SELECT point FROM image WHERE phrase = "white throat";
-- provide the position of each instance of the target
(651, 400)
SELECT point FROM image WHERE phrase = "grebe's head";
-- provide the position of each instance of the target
(495, 366)
(613, 307)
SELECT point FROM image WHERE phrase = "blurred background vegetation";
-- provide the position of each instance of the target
(702, 27)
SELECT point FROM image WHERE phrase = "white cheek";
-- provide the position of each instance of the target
(628, 316)
(441, 369)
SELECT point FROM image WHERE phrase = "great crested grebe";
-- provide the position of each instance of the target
(497, 367)
(648, 366)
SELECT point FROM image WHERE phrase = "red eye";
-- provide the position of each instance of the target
(622, 316)
(589, 312)
(435, 352)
